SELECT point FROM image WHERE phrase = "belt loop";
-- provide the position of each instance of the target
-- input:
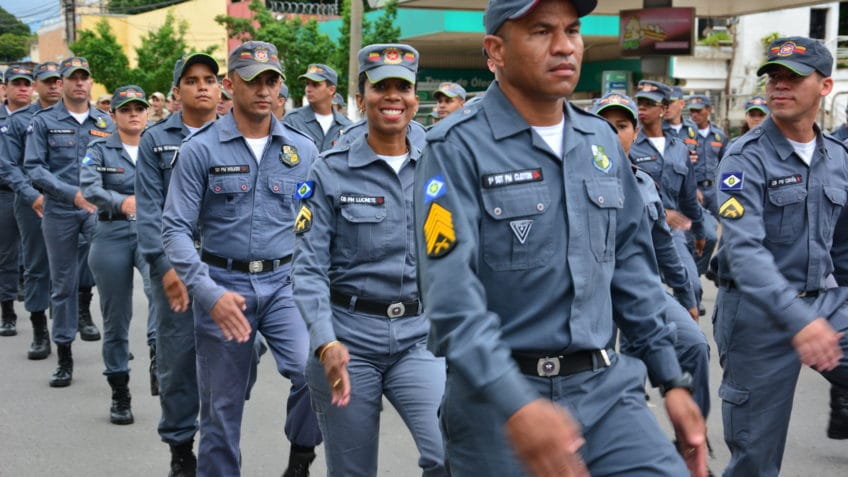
(276, 265)
(229, 264)
(351, 307)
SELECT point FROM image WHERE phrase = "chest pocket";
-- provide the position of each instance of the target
(672, 179)
(786, 218)
(363, 231)
(114, 180)
(62, 140)
(228, 195)
(281, 190)
(653, 213)
(166, 164)
(517, 230)
(606, 199)
(833, 205)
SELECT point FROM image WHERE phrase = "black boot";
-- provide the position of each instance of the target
(837, 428)
(87, 329)
(154, 372)
(183, 461)
(40, 347)
(120, 412)
(65, 371)
(300, 458)
(10, 319)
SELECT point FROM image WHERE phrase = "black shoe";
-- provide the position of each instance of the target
(183, 461)
(120, 412)
(701, 310)
(9, 325)
(65, 371)
(40, 347)
(87, 329)
(299, 462)
(154, 372)
(837, 428)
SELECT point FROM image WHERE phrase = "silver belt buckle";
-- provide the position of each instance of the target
(547, 367)
(395, 310)
(255, 266)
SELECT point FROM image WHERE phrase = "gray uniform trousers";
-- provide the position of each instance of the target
(9, 246)
(36, 268)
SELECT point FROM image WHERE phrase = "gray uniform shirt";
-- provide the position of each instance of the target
(304, 120)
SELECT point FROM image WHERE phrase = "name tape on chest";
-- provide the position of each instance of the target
(61, 131)
(785, 181)
(224, 170)
(643, 159)
(361, 199)
(110, 170)
(166, 148)
(502, 179)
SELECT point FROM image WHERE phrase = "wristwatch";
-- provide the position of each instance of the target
(684, 381)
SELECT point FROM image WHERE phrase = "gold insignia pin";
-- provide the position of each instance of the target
(303, 221)
(289, 156)
(101, 123)
(438, 231)
(731, 209)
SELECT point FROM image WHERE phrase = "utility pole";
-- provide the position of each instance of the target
(353, 61)
(70, 20)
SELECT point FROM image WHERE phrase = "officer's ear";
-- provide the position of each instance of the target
(360, 103)
(494, 46)
(827, 86)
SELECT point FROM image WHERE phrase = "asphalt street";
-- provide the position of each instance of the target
(66, 432)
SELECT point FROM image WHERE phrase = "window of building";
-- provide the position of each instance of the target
(818, 23)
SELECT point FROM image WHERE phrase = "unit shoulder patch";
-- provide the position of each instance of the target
(732, 181)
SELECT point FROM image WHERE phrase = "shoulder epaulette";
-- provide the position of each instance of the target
(440, 130)
(741, 141)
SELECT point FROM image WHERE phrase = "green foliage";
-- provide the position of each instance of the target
(14, 37)
(108, 63)
(766, 41)
(717, 39)
(132, 7)
(10, 24)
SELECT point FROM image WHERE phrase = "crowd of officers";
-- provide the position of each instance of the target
(533, 231)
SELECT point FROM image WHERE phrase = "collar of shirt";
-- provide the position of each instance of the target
(504, 120)
(360, 153)
(781, 145)
(228, 130)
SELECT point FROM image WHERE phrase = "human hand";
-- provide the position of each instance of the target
(175, 291)
(676, 220)
(700, 196)
(817, 345)
(700, 245)
(334, 357)
(690, 429)
(227, 313)
(128, 205)
(546, 439)
(693, 312)
(38, 206)
(82, 204)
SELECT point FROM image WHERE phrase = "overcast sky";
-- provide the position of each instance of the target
(32, 12)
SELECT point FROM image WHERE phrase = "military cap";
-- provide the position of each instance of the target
(451, 90)
(72, 64)
(800, 54)
(616, 100)
(284, 91)
(757, 102)
(699, 101)
(499, 11)
(675, 93)
(48, 69)
(18, 72)
(253, 58)
(189, 59)
(127, 94)
(395, 60)
(338, 99)
(653, 90)
(225, 94)
(321, 72)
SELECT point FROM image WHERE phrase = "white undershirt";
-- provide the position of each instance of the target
(132, 151)
(396, 162)
(325, 120)
(8, 111)
(257, 146)
(80, 117)
(804, 149)
(704, 132)
(191, 130)
(677, 127)
(659, 143)
(552, 135)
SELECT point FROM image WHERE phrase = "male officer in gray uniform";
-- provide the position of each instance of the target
(196, 86)
(319, 119)
(711, 142)
(525, 245)
(56, 143)
(18, 95)
(234, 181)
(29, 203)
(781, 189)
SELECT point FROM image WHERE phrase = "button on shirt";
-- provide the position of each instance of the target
(55, 146)
(780, 244)
(304, 120)
(107, 175)
(244, 211)
(544, 247)
(361, 239)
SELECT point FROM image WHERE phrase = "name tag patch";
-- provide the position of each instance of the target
(361, 199)
(109, 170)
(785, 181)
(640, 160)
(223, 170)
(61, 131)
(165, 148)
(97, 133)
(502, 179)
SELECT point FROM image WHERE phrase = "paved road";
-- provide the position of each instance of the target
(49, 432)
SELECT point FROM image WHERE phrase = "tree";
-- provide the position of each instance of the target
(14, 37)
(132, 7)
(107, 61)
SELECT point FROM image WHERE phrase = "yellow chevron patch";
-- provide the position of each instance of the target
(438, 231)
(731, 209)
(303, 221)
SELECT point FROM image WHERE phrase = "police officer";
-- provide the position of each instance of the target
(225, 103)
(57, 141)
(339, 104)
(781, 189)
(196, 87)
(280, 104)
(682, 127)
(756, 110)
(527, 207)
(355, 279)
(690, 344)
(665, 158)
(841, 132)
(18, 96)
(234, 181)
(28, 204)
(711, 143)
(107, 180)
(449, 97)
(319, 119)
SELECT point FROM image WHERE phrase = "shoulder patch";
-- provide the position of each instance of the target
(731, 209)
(303, 190)
(303, 221)
(441, 129)
(434, 188)
(731, 181)
(289, 156)
(600, 159)
(439, 234)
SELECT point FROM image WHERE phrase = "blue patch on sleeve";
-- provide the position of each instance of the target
(731, 181)
(87, 161)
(304, 190)
(434, 188)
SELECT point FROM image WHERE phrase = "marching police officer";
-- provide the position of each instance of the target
(29, 205)
(711, 143)
(18, 95)
(196, 87)
(781, 189)
(528, 208)
(57, 140)
(107, 180)
(234, 181)
(319, 119)
(355, 279)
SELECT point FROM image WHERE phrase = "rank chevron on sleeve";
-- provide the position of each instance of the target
(439, 233)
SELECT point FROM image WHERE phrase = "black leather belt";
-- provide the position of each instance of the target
(562, 365)
(391, 310)
(731, 285)
(107, 217)
(5, 187)
(253, 266)
(706, 183)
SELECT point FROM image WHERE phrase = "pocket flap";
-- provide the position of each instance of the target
(787, 195)
(733, 395)
(836, 195)
(605, 193)
(228, 185)
(516, 201)
(363, 213)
